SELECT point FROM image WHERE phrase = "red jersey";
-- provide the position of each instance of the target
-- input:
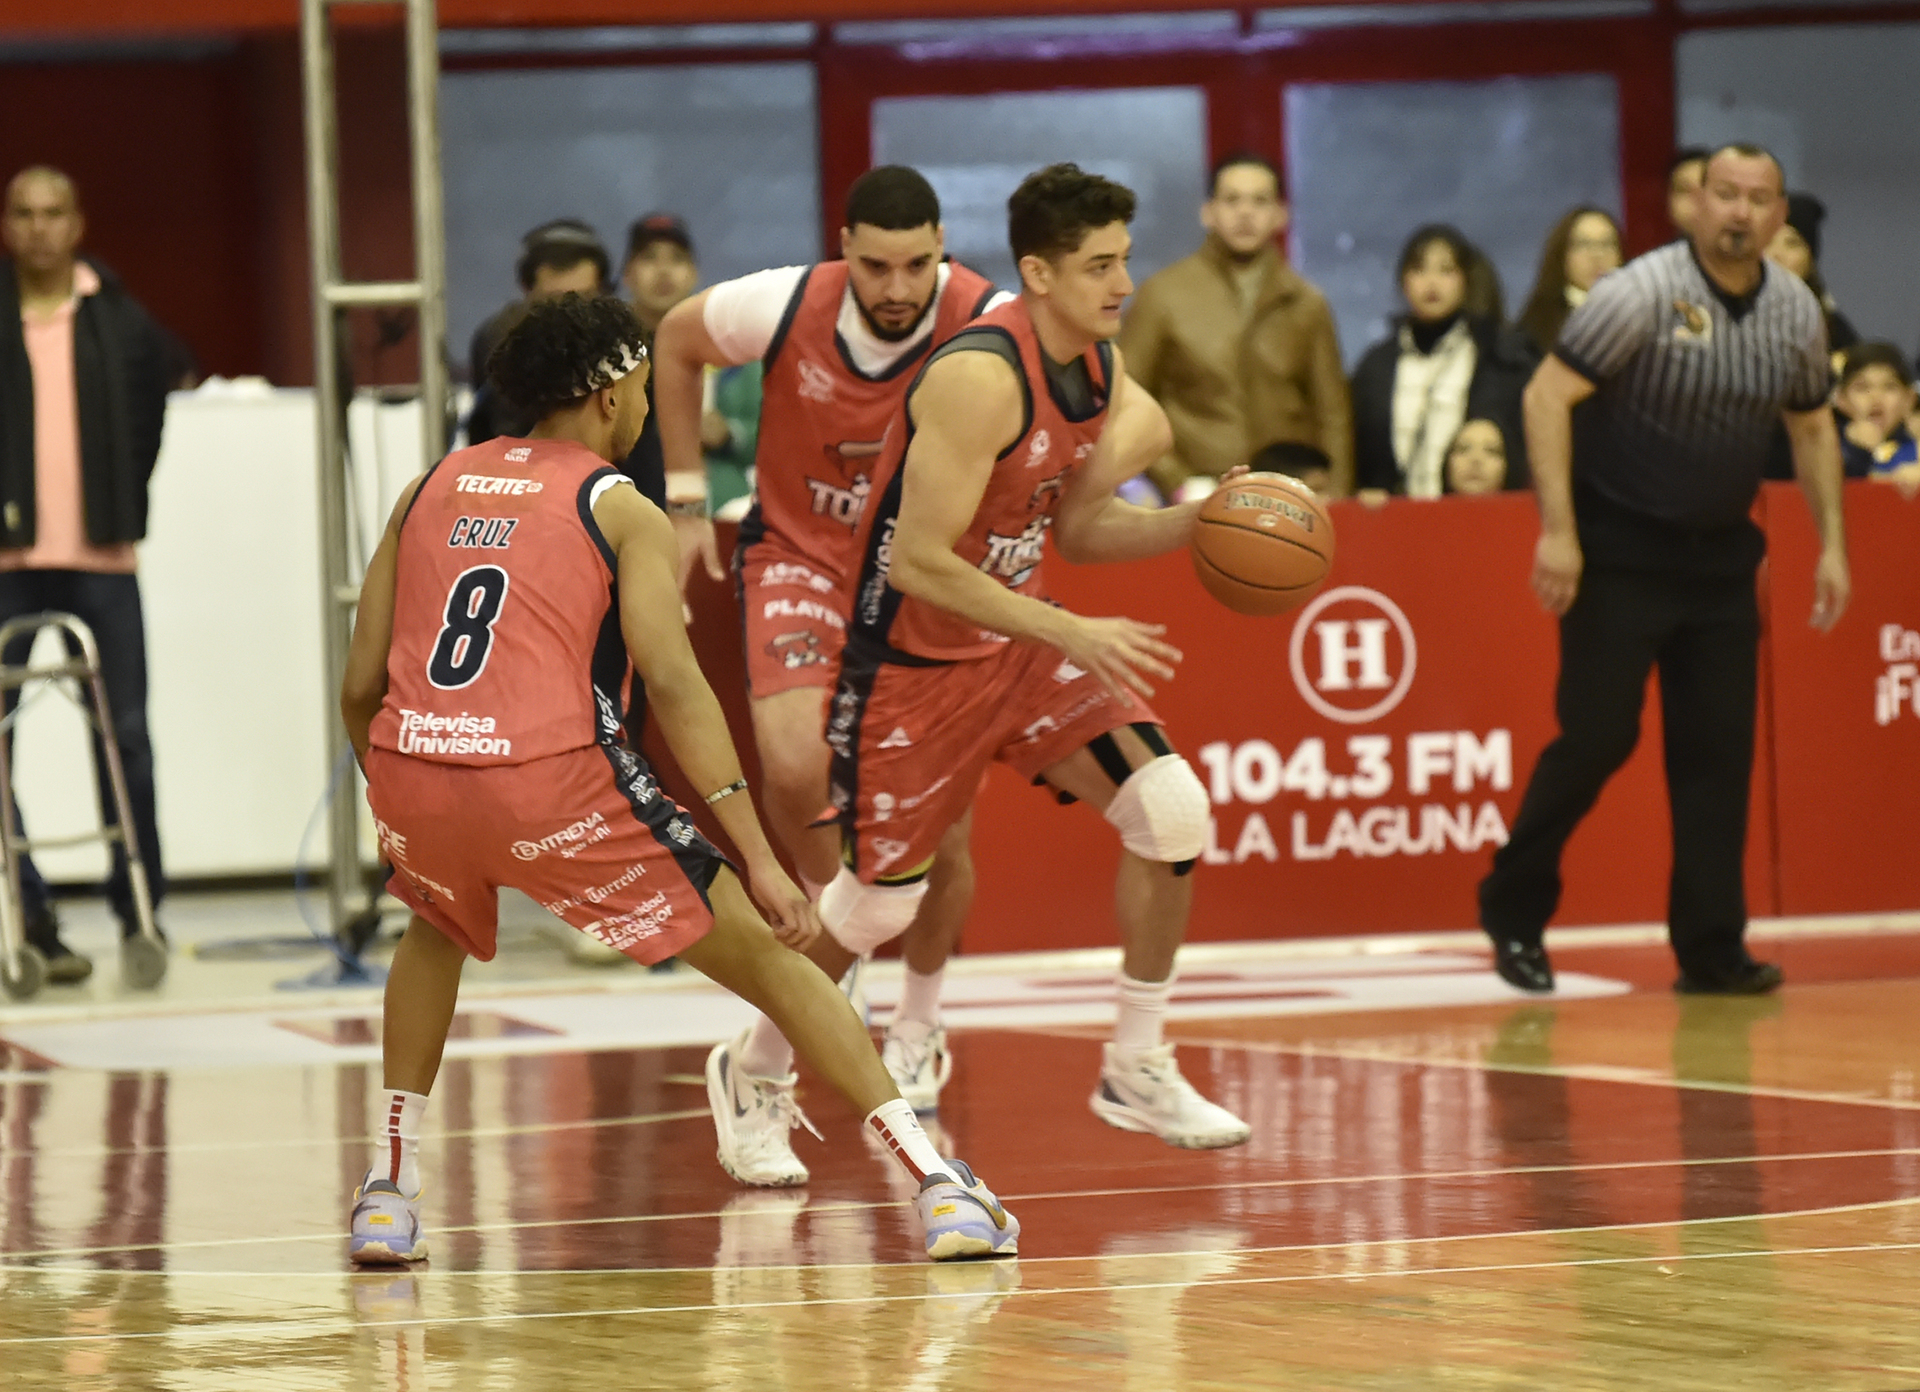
(506, 626)
(1009, 531)
(823, 422)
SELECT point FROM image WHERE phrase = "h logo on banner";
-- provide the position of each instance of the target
(1347, 645)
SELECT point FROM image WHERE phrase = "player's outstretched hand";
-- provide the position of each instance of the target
(1557, 563)
(1123, 653)
(791, 915)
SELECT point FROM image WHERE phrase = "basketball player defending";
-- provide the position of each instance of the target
(955, 658)
(489, 665)
(840, 341)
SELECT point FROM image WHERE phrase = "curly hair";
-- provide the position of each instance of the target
(565, 349)
(1053, 210)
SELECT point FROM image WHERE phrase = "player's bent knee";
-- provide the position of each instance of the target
(861, 917)
(1162, 811)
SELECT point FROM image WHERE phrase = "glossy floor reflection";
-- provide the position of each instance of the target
(1632, 1191)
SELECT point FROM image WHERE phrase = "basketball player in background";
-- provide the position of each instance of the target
(956, 659)
(515, 583)
(840, 341)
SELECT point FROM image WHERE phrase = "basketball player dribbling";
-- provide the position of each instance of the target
(518, 588)
(840, 341)
(955, 659)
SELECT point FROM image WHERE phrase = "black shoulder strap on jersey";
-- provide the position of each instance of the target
(787, 317)
(988, 338)
(584, 501)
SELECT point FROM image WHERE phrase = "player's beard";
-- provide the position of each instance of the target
(887, 335)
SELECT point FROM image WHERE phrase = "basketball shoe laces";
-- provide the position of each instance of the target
(1167, 1087)
(773, 1110)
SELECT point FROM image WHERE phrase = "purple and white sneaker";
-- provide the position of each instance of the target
(963, 1218)
(385, 1230)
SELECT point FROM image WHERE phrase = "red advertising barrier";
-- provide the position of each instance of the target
(1846, 711)
(1366, 754)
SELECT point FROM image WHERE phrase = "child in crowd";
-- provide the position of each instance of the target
(1875, 399)
(1477, 459)
(1297, 460)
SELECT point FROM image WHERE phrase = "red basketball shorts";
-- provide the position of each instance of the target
(910, 744)
(794, 619)
(588, 834)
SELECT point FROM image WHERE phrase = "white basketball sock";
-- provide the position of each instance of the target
(396, 1155)
(766, 1053)
(920, 998)
(1142, 1015)
(910, 1144)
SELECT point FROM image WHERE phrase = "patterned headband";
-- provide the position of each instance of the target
(610, 369)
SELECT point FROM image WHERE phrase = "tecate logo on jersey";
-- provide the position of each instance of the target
(570, 840)
(424, 733)
(1352, 654)
(493, 483)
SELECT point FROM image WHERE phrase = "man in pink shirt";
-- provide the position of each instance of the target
(83, 383)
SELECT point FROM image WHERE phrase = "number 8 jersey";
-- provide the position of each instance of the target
(506, 622)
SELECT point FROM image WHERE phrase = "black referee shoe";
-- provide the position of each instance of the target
(1523, 964)
(1750, 978)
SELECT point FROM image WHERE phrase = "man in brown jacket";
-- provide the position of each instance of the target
(1239, 350)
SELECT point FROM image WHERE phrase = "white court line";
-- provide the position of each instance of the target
(1591, 1073)
(304, 1328)
(505, 1274)
(11, 1261)
(329, 1142)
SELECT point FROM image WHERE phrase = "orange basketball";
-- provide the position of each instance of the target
(1263, 544)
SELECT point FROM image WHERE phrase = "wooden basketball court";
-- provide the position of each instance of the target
(1624, 1190)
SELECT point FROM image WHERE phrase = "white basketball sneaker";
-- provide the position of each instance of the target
(1143, 1090)
(916, 1055)
(751, 1118)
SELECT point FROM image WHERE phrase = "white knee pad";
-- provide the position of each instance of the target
(1162, 812)
(862, 916)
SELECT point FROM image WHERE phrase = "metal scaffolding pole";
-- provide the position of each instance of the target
(333, 298)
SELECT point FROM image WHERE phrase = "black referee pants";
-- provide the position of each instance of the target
(1703, 633)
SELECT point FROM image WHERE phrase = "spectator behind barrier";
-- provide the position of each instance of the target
(556, 258)
(1448, 360)
(1796, 247)
(1235, 346)
(83, 394)
(658, 272)
(1583, 246)
(1311, 466)
(1685, 172)
(1477, 461)
(1873, 402)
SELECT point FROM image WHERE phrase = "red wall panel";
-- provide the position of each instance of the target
(168, 190)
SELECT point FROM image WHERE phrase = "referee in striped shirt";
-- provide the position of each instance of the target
(1679, 365)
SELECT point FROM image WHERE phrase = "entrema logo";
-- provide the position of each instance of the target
(1352, 654)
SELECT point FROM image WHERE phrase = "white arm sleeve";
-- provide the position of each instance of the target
(743, 315)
